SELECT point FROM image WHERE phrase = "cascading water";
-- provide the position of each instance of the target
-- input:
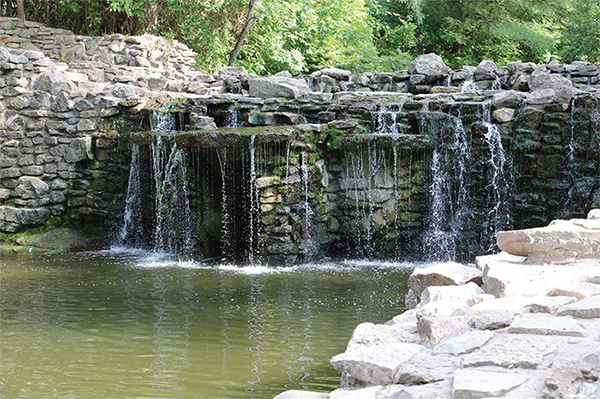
(232, 119)
(173, 230)
(132, 231)
(385, 120)
(253, 212)
(469, 182)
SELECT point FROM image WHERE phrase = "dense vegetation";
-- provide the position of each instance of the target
(377, 35)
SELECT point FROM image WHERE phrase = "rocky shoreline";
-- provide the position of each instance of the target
(524, 323)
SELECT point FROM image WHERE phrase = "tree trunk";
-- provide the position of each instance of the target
(250, 20)
(20, 10)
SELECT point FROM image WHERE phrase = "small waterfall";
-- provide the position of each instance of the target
(162, 119)
(469, 83)
(469, 191)
(385, 121)
(308, 245)
(173, 230)
(591, 106)
(232, 119)
(132, 231)
(226, 244)
(498, 177)
(253, 211)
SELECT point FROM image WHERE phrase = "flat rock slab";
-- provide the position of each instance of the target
(562, 239)
(547, 325)
(296, 394)
(550, 304)
(588, 308)
(515, 350)
(474, 383)
(425, 367)
(374, 365)
(369, 334)
(463, 343)
(493, 319)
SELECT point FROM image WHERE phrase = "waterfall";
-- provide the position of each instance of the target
(162, 119)
(499, 180)
(253, 211)
(232, 119)
(132, 231)
(173, 229)
(469, 185)
(226, 247)
(385, 120)
(308, 245)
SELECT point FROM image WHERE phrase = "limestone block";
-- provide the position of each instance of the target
(546, 325)
(466, 294)
(493, 319)
(485, 383)
(549, 304)
(296, 394)
(541, 96)
(502, 278)
(277, 87)
(9, 173)
(374, 365)
(434, 328)
(586, 309)
(87, 125)
(363, 393)
(563, 87)
(61, 102)
(431, 65)
(515, 350)
(486, 70)
(336, 73)
(561, 240)
(369, 334)
(232, 73)
(54, 81)
(463, 343)
(79, 149)
(31, 187)
(449, 273)
(23, 216)
(566, 377)
(504, 115)
(425, 367)
(435, 390)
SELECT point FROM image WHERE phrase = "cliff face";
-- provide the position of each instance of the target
(427, 162)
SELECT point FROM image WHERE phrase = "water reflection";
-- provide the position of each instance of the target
(130, 324)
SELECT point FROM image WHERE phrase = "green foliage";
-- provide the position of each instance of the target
(581, 36)
(361, 35)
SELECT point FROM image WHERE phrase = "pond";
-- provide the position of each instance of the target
(134, 324)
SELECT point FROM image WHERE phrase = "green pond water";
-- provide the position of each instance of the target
(140, 325)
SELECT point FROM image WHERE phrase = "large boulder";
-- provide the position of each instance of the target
(486, 70)
(431, 65)
(279, 86)
(562, 87)
(561, 242)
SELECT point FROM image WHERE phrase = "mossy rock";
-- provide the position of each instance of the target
(54, 240)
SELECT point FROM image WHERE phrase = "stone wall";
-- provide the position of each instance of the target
(359, 175)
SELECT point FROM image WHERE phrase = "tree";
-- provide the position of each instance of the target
(20, 10)
(250, 20)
